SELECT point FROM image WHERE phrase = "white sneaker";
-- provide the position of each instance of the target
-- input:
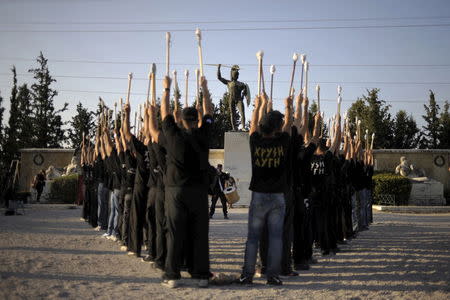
(203, 283)
(171, 284)
(98, 228)
(123, 248)
(131, 253)
(113, 238)
(105, 235)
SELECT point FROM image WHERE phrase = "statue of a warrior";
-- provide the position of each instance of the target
(236, 91)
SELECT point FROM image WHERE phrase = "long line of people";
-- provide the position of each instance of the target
(149, 191)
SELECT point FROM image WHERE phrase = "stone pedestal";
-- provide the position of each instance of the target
(237, 161)
(426, 191)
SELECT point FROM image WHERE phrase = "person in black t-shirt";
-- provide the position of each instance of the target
(113, 169)
(269, 149)
(322, 192)
(186, 186)
(218, 192)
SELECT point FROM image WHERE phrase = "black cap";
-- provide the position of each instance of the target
(190, 114)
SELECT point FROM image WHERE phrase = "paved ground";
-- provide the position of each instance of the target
(50, 253)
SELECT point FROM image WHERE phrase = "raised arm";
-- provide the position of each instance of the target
(165, 101)
(126, 122)
(107, 142)
(304, 128)
(254, 124)
(219, 76)
(298, 112)
(337, 137)
(287, 115)
(153, 123)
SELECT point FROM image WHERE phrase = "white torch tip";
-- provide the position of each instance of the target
(198, 33)
(272, 69)
(339, 99)
(130, 75)
(260, 54)
(295, 57)
(318, 88)
(186, 72)
(303, 58)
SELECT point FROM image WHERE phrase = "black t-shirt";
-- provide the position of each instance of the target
(99, 170)
(153, 164)
(123, 169)
(114, 170)
(130, 164)
(140, 151)
(302, 165)
(269, 163)
(160, 154)
(187, 153)
(321, 170)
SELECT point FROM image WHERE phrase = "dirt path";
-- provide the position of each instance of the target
(50, 253)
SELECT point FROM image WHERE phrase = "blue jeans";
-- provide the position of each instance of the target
(114, 214)
(265, 208)
(102, 196)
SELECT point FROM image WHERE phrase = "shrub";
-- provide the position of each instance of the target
(64, 189)
(391, 184)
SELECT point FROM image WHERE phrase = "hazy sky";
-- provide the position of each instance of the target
(81, 36)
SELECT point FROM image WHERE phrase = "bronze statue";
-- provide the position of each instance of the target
(236, 91)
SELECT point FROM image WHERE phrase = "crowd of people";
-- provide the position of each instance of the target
(149, 190)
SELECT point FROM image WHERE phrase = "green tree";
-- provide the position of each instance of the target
(25, 122)
(430, 138)
(406, 132)
(375, 117)
(11, 144)
(2, 134)
(82, 122)
(444, 129)
(222, 122)
(47, 120)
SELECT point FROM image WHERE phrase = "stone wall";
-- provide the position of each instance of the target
(59, 158)
(388, 159)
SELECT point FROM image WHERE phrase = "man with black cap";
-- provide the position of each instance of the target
(186, 185)
(219, 185)
(269, 147)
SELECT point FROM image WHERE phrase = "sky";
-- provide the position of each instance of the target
(92, 45)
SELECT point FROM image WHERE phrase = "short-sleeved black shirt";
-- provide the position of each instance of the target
(269, 163)
(187, 153)
(114, 170)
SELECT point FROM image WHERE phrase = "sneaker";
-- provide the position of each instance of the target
(301, 267)
(148, 258)
(123, 248)
(82, 219)
(131, 253)
(170, 283)
(289, 274)
(106, 235)
(274, 281)
(113, 238)
(244, 280)
(203, 283)
(98, 228)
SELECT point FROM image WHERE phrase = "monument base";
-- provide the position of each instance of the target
(426, 192)
(237, 161)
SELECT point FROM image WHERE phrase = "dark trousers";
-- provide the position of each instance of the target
(303, 236)
(223, 200)
(126, 216)
(93, 204)
(150, 220)
(332, 213)
(137, 217)
(86, 202)
(160, 220)
(187, 213)
(122, 193)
